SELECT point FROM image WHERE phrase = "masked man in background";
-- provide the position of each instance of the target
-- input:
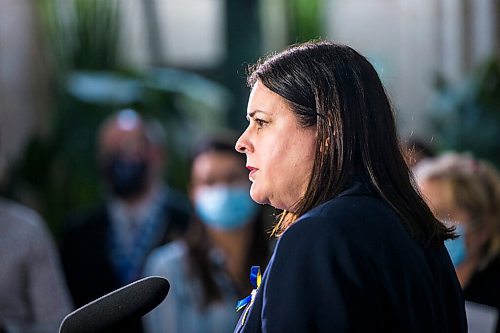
(105, 248)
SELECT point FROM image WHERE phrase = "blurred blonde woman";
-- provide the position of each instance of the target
(464, 191)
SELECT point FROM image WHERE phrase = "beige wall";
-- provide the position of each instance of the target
(192, 33)
(411, 41)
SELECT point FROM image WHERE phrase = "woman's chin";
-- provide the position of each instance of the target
(258, 197)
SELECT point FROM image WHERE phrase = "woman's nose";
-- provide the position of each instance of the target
(243, 145)
(240, 147)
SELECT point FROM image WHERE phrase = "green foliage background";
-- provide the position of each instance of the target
(58, 172)
(466, 116)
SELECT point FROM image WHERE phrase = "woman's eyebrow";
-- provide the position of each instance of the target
(252, 114)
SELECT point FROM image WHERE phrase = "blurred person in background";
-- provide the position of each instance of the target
(465, 192)
(33, 294)
(208, 269)
(105, 248)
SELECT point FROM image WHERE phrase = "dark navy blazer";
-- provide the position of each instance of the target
(349, 265)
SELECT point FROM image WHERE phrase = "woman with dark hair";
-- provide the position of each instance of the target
(208, 268)
(358, 248)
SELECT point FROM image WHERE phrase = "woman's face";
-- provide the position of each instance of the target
(280, 152)
(219, 191)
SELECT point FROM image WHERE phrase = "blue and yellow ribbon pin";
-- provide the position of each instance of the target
(255, 280)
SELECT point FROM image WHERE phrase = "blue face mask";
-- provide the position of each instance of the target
(456, 247)
(225, 207)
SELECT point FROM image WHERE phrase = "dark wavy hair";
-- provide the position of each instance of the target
(198, 243)
(336, 89)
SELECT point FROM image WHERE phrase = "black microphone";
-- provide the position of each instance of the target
(120, 306)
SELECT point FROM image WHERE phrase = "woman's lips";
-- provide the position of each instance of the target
(252, 171)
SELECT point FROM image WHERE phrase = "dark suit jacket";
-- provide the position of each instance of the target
(484, 286)
(85, 255)
(349, 265)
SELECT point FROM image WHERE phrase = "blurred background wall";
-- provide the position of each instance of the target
(413, 42)
(67, 64)
(23, 78)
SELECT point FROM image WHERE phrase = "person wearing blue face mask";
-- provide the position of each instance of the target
(465, 192)
(208, 269)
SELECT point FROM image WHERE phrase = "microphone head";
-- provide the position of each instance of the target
(122, 305)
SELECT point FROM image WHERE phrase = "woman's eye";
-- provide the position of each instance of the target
(260, 122)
